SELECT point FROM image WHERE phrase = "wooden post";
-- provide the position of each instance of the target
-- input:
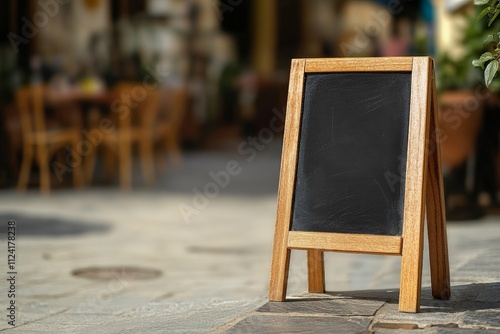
(281, 253)
(416, 170)
(316, 271)
(436, 213)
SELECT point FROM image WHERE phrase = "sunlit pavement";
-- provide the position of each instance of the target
(211, 257)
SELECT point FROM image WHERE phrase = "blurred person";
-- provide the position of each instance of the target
(400, 41)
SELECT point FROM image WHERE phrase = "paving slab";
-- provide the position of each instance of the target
(299, 324)
(339, 307)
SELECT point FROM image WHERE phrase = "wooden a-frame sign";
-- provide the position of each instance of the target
(423, 187)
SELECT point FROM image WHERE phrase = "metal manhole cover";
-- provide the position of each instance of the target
(112, 273)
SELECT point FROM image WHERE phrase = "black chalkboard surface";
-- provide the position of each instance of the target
(352, 153)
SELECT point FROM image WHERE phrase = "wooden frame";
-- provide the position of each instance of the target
(424, 189)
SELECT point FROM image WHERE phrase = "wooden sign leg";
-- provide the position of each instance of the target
(279, 274)
(316, 271)
(411, 271)
(281, 253)
(436, 215)
(416, 172)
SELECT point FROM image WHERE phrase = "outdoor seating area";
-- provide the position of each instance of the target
(64, 132)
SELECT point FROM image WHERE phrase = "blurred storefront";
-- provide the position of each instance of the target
(231, 56)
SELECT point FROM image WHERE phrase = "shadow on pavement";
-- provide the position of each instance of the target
(471, 297)
(27, 225)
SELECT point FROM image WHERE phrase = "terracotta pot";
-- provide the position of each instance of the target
(459, 119)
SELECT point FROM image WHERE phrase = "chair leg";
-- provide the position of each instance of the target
(147, 161)
(160, 162)
(93, 117)
(125, 161)
(89, 164)
(89, 167)
(24, 174)
(43, 161)
(78, 175)
(109, 163)
(174, 151)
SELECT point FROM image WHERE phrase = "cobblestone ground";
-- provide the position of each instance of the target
(214, 265)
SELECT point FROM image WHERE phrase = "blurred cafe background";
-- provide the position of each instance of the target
(93, 92)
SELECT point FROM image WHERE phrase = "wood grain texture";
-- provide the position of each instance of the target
(379, 64)
(281, 253)
(416, 168)
(316, 271)
(344, 242)
(436, 213)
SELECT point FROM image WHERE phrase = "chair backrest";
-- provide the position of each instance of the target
(178, 105)
(29, 101)
(136, 106)
(174, 104)
(148, 108)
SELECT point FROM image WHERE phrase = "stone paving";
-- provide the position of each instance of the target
(215, 268)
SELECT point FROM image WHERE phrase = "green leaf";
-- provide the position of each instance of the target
(490, 71)
(486, 56)
(497, 11)
(489, 39)
(484, 12)
(483, 59)
(481, 2)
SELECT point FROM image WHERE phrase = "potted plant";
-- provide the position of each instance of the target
(460, 109)
(462, 94)
(462, 97)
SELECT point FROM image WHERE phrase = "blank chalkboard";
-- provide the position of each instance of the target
(352, 153)
(359, 170)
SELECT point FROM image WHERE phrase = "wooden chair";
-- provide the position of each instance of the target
(40, 141)
(132, 116)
